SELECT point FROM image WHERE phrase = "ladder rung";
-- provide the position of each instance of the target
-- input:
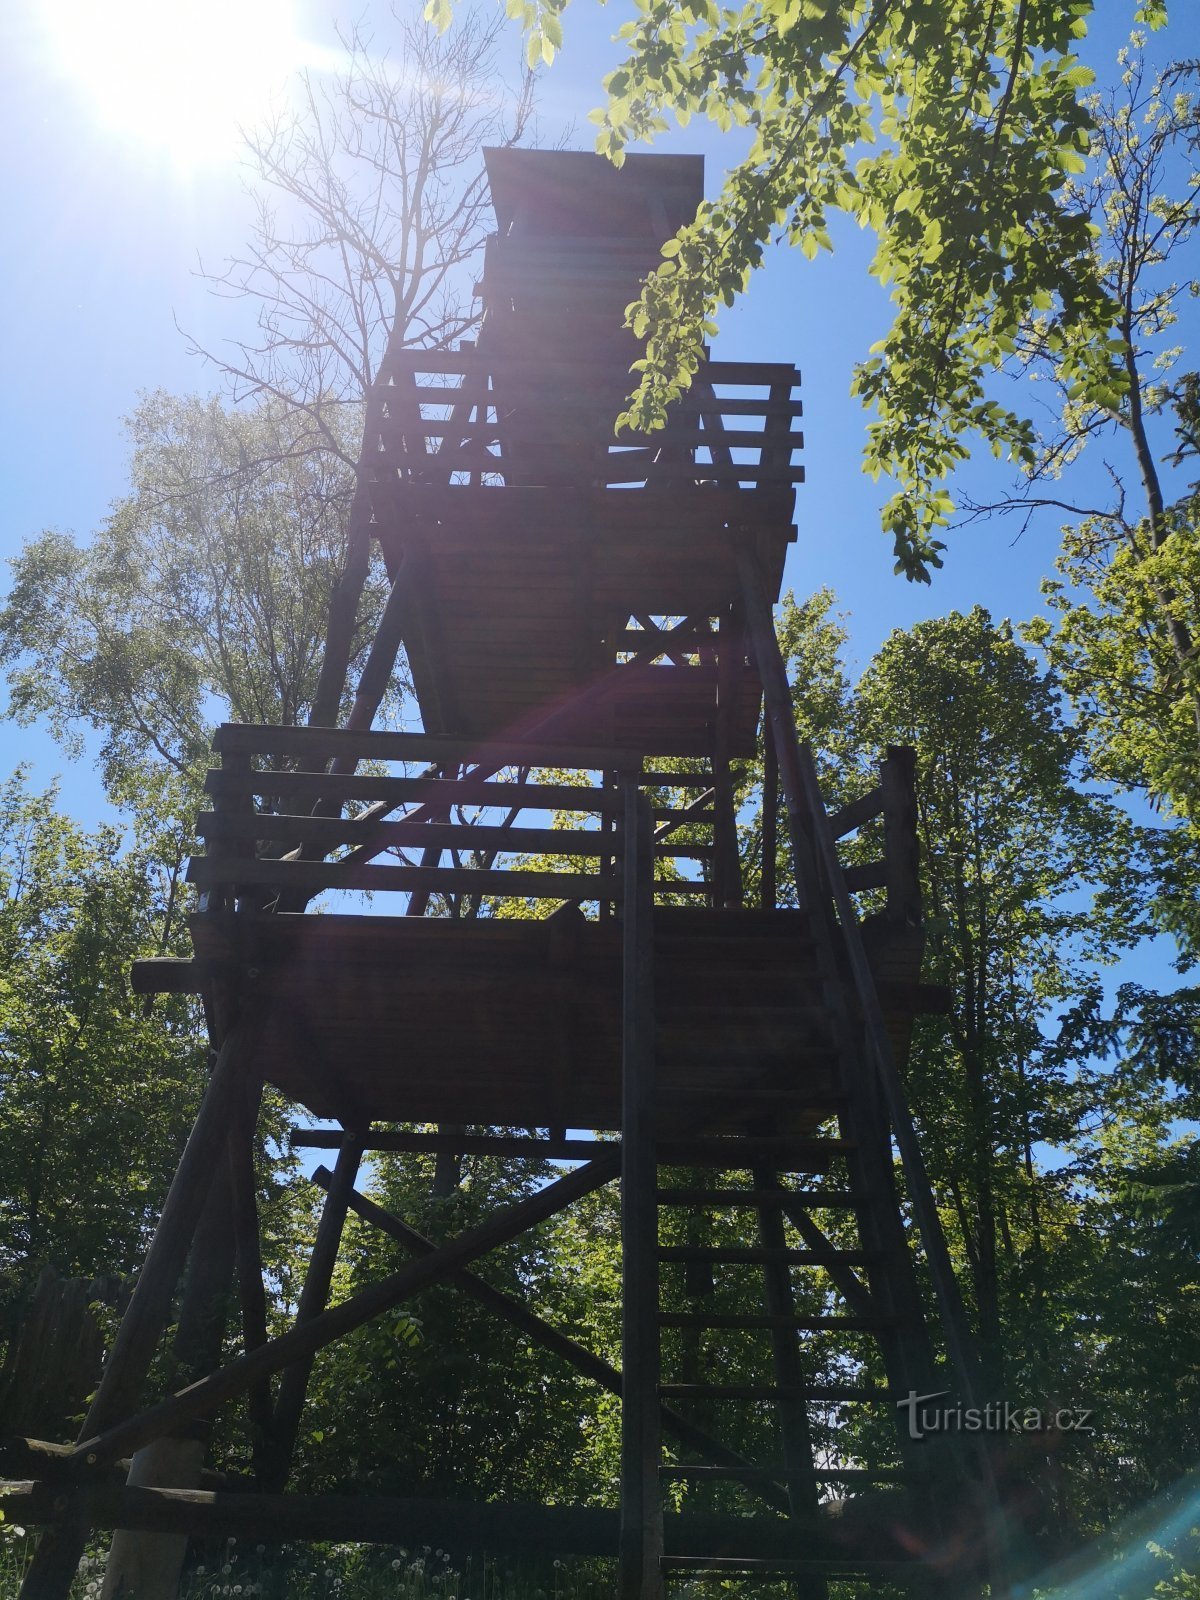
(817, 1392)
(751, 1255)
(701, 1319)
(777, 1472)
(733, 1199)
(782, 1153)
(730, 1391)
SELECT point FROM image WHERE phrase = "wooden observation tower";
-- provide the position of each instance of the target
(578, 613)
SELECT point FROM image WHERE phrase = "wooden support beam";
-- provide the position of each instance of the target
(301, 1342)
(496, 1527)
(260, 738)
(641, 1545)
(790, 1409)
(314, 1296)
(57, 1557)
(815, 843)
(849, 1284)
(248, 1250)
(467, 1144)
(768, 886)
(898, 785)
(544, 1333)
(857, 813)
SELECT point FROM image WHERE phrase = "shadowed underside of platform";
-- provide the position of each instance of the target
(518, 599)
(517, 1023)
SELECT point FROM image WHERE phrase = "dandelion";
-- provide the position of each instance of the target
(397, 1564)
(200, 1571)
(226, 1570)
(260, 1549)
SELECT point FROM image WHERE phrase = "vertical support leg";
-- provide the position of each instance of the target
(641, 1512)
(791, 1410)
(726, 868)
(293, 1385)
(54, 1566)
(768, 888)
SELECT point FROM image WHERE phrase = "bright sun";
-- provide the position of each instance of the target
(178, 76)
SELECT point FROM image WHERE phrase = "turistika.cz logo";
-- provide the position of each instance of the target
(998, 1416)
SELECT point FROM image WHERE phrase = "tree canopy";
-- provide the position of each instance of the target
(951, 129)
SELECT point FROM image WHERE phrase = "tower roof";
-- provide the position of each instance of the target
(577, 192)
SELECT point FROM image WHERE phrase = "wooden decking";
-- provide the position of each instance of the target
(516, 601)
(517, 1023)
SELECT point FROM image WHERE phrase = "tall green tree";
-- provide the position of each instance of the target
(1010, 844)
(204, 595)
(949, 128)
(95, 1094)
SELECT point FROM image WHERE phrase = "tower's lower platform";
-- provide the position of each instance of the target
(510, 1022)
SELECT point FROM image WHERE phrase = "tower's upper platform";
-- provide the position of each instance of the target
(562, 578)
(574, 238)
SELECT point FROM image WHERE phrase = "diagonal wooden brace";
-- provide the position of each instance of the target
(299, 1343)
(582, 1359)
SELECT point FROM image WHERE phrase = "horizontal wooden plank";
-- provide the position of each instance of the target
(368, 877)
(751, 1320)
(513, 432)
(754, 1199)
(576, 374)
(324, 744)
(867, 875)
(860, 811)
(315, 876)
(168, 975)
(329, 831)
(426, 791)
(478, 1144)
(496, 1526)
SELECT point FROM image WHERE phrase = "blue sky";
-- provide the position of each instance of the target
(105, 223)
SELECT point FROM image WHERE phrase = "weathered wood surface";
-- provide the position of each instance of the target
(498, 1527)
(523, 598)
(505, 1023)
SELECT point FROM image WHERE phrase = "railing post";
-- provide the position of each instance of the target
(902, 859)
(641, 1512)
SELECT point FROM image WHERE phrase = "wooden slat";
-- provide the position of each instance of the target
(251, 738)
(330, 831)
(869, 875)
(313, 876)
(432, 791)
(858, 812)
(754, 1199)
(478, 1144)
(751, 1320)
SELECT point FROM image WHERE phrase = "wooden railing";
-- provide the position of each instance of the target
(441, 418)
(894, 798)
(292, 818)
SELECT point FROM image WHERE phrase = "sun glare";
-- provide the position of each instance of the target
(177, 76)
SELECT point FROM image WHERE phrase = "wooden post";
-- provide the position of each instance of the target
(293, 1386)
(805, 814)
(57, 1558)
(790, 1408)
(301, 1342)
(726, 868)
(543, 1333)
(641, 1512)
(898, 780)
(768, 891)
